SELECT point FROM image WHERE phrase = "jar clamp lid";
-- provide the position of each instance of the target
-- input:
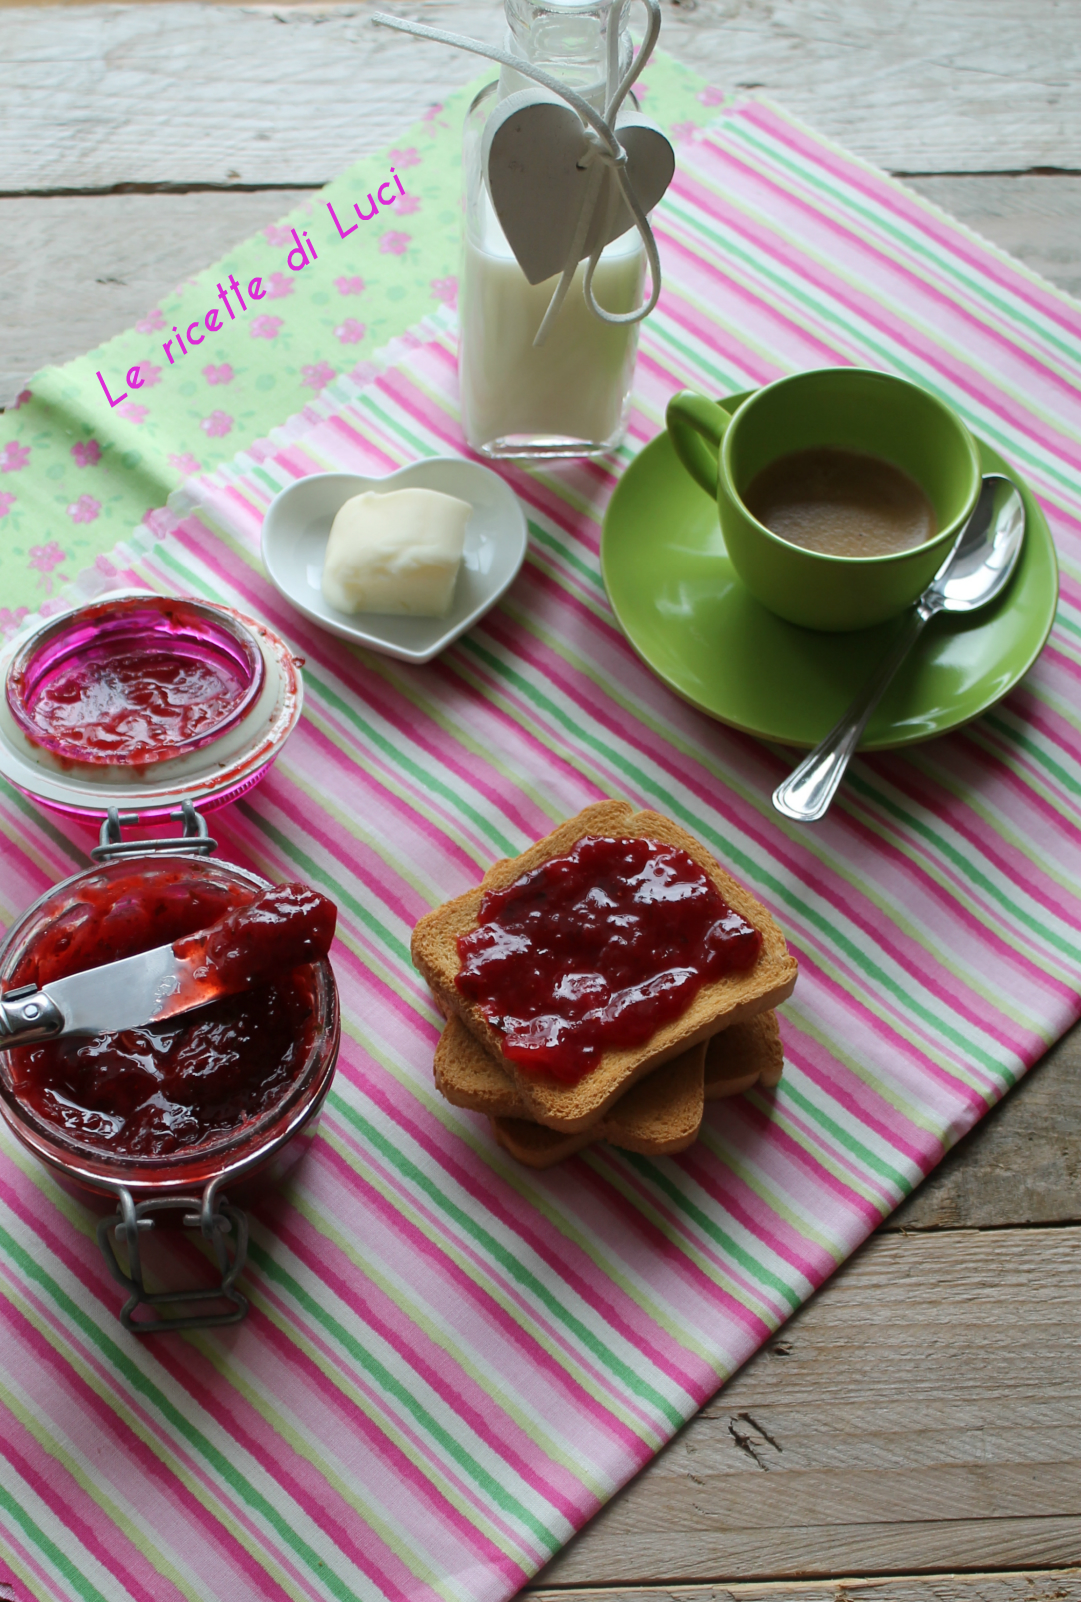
(138, 700)
(191, 1180)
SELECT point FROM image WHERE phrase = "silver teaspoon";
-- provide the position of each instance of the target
(976, 570)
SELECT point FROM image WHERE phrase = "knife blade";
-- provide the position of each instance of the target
(130, 994)
(283, 926)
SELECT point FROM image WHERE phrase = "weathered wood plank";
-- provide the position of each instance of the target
(96, 96)
(185, 93)
(860, 1549)
(1020, 1165)
(923, 1411)
(1039, 1585)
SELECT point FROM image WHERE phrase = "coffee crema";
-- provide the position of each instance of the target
(841, 503)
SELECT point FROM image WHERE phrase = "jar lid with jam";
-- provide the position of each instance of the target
(138, 701)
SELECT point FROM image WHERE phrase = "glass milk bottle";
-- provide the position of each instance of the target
(571, 395)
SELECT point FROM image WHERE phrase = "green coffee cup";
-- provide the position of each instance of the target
(850, 408)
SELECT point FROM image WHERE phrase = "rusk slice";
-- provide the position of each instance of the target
(736, 1059)
(719, 1004)
(469, 1076)
(747, 1054)
(659, 1115)
(534, 1144)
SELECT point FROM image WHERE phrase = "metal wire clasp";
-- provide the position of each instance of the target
(195, 840)
(216, 1219)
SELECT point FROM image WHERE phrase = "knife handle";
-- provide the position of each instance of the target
(28, 1015)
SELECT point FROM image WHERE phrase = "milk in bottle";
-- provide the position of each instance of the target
(569, 396)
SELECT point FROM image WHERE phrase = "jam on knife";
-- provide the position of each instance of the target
(596, 950)
(285, 925)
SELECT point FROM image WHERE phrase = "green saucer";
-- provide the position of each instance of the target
(687, 615)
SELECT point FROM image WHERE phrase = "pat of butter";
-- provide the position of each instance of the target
(397, 552)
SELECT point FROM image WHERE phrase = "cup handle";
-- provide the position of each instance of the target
(697, 427)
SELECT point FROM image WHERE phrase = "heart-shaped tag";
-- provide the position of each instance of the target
(533, 143)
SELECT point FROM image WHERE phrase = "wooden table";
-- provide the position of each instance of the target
(919, 1422)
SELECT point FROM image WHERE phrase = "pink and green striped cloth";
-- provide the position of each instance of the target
(451, 1362)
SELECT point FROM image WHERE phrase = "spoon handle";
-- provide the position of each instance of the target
(807, 792)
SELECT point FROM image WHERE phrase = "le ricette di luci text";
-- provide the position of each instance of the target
(236, 299)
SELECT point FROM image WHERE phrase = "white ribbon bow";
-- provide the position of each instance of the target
(604, 153)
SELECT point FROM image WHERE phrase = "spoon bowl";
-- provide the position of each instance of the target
(982, 562)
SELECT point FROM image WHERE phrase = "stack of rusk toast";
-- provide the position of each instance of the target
(648, 1098)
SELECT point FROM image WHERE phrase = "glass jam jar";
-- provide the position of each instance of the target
(192, 1179)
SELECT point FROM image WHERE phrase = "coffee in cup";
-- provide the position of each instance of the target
(840, 492)
(841, 503)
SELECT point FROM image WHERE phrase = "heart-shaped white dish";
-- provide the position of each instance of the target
(532, 145)
(297, 525)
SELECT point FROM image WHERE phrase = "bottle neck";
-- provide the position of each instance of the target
(569, 39)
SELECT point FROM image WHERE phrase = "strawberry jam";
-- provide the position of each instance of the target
(132, 681)
(143, 707)
(148, 1092)
(285, 925)
(596, 950)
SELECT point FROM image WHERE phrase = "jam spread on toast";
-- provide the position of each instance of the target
(147, 1092)
(597, 950)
